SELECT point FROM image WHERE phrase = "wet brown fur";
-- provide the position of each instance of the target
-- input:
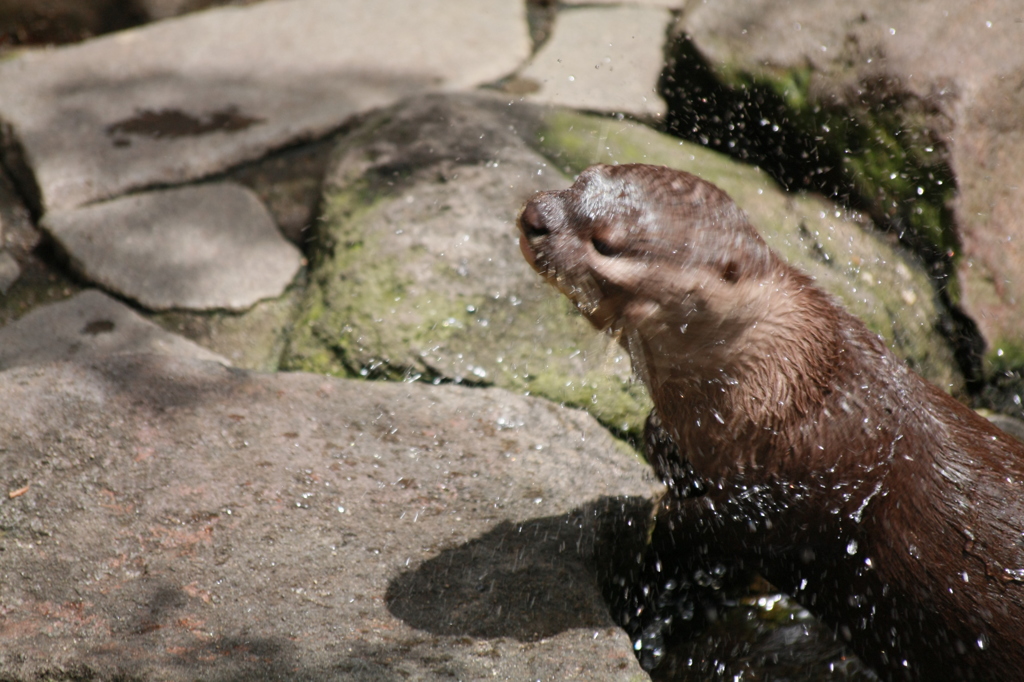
(885, 506)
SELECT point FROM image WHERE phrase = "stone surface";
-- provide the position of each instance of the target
(254, 339)
(38, 284)
(168, 519)
(177, 100)
(422, 275)
(667, 4)
(288, 183)
(84, 327)
(10, 271)
(602, 59)
(939, 84)
(165, 9)
(40, 279)
(200, 248)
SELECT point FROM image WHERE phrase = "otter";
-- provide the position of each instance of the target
(883, 505)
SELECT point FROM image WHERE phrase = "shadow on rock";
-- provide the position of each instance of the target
(242, 658)
(528, 580)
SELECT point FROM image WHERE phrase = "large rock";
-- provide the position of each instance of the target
(87, 326)
(187, 97)
(166, 519)
(904, 96)
(421, 276)
(602, 59)
(196, 248)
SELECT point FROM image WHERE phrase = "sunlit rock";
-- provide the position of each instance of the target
(602, 59)
(184, 98)
(195, 248)
(169, 519)
(87, 326)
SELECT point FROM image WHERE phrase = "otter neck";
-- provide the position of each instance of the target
(729, 414)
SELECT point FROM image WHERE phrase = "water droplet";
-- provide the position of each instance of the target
(851, 547)
(1015, 574)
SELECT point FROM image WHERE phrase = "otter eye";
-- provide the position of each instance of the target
(731, 272)
(603, 247)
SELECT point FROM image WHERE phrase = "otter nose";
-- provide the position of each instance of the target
(532, 222)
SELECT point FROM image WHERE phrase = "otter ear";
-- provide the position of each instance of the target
(730, 272)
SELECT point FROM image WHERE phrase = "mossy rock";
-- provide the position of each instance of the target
(418, 274)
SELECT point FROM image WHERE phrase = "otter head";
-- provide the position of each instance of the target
(660, 257)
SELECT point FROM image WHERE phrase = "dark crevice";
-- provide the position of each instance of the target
(56, 22)
(14, 164)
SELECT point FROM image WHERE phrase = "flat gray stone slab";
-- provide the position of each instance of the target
(187, 97)
(166, 519)
(199, 248)
(603, 59)
(86, 326)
